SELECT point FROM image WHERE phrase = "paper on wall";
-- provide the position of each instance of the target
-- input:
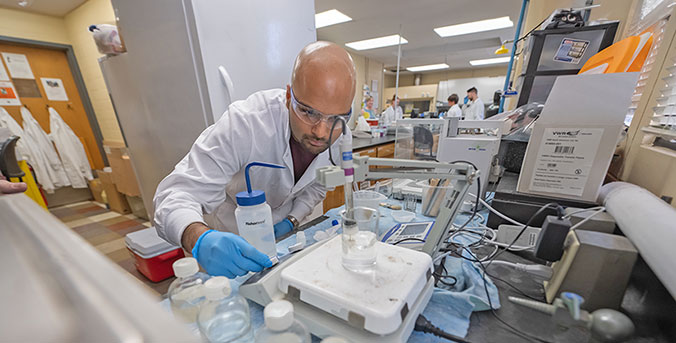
(571, 50)
(565, 159)
(3, 73)
(54, 89)
(18, 66)
(8, 95)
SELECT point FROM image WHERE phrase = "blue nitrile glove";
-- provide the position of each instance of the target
(283, 227)
(227, 254)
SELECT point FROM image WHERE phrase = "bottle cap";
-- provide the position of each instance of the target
(253, 197)
(217, 288)
(278, 315)
(185, 267)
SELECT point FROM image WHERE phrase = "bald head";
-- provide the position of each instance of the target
(324, 78)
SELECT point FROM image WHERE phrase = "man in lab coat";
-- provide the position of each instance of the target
(392, 113)
(286, 127)
(475, 107)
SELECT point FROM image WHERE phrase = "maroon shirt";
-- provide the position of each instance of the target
(301, 159)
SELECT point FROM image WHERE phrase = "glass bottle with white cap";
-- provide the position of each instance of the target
(225, 316)
(186, 293)
(280, 325)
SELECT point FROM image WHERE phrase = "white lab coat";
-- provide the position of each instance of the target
(6, 121)
(28, 150)
(73, 155)
(475, 110)
(207, 179)
(47, 160)
(454, 111)
(390, 116)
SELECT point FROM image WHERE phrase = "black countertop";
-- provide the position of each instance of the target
(361, 143)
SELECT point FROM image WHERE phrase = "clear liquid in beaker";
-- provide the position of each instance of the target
(359, 239)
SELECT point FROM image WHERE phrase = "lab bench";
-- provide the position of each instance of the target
(646, 302)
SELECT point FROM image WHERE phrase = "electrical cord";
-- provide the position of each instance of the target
(574, 227)
(582, 210)
(514, 287)
(528, 223)
(491, 240)
(409, 239)
(333, 126)
(422, 324)
(441, 273)
(531, 31)
(490, 304)
(478, 191)
(498, 213)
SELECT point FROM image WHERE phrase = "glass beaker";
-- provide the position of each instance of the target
(360, 232)
(410, 202)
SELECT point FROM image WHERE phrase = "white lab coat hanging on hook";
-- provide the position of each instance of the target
(72, 152)
(29, 150)
(6, 121)
(45, 149)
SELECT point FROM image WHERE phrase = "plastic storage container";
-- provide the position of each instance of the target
(153, 255)
(281, 326)
(186, 293)
(254, 216)
(225, 316)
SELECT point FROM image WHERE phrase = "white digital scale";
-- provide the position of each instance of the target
(378, 306)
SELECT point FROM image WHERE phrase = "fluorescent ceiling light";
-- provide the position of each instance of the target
(330, 17)
(376, 42)
(428, 67)
(489, 61)
(473, 27)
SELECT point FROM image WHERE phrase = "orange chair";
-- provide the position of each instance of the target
(627, 55)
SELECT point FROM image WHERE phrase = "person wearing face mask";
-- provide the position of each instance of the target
(289, 127)
(392, 113)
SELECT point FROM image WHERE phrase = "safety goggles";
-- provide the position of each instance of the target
(311, 116)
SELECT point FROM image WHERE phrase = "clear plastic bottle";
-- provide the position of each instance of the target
(225, 316)
(254, 216)
(254, 223)
(280, 325)
(186, 293)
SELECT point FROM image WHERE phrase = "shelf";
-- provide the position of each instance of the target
(659, 132)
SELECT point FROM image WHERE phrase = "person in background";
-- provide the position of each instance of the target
(455, 110)
(392, 113)
(289, 127)
(367, 111)
(475, 107)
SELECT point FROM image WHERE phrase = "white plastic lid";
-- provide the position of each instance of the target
(147, 242)
(185, 267)
(217, 288)
(278, 315)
